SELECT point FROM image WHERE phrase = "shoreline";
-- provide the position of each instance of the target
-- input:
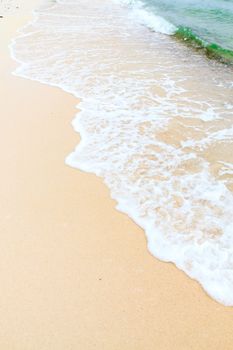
(77, 273)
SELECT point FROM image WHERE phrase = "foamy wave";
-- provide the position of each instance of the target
(143, 105)
(149, 19)
(153, 22)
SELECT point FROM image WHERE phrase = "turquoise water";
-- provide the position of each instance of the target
(204, 23)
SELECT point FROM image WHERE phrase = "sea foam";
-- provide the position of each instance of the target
(150, 126)
(149, 19)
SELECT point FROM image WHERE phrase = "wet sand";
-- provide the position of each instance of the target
(74, 272)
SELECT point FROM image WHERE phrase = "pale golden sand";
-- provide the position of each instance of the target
(75, 273)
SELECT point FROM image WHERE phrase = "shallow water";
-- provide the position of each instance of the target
(155, 122)
(211, 20)
(204, 24)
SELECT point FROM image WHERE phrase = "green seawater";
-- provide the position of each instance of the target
(205, 24)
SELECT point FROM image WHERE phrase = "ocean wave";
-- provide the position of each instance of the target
(212, 50)
(148, 18)
(152, 20)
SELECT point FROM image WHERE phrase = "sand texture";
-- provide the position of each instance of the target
(74, 272)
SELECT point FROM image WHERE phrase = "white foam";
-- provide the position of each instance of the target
(155, 23)
(149, 19)
(145, 118)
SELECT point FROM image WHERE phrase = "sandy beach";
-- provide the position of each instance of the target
(74, 272)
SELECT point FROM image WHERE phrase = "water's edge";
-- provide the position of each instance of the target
(184, 34)
(153, 246)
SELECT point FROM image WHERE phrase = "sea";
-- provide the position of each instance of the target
(155, 80)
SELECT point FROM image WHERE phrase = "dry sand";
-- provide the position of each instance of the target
(75, 274)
